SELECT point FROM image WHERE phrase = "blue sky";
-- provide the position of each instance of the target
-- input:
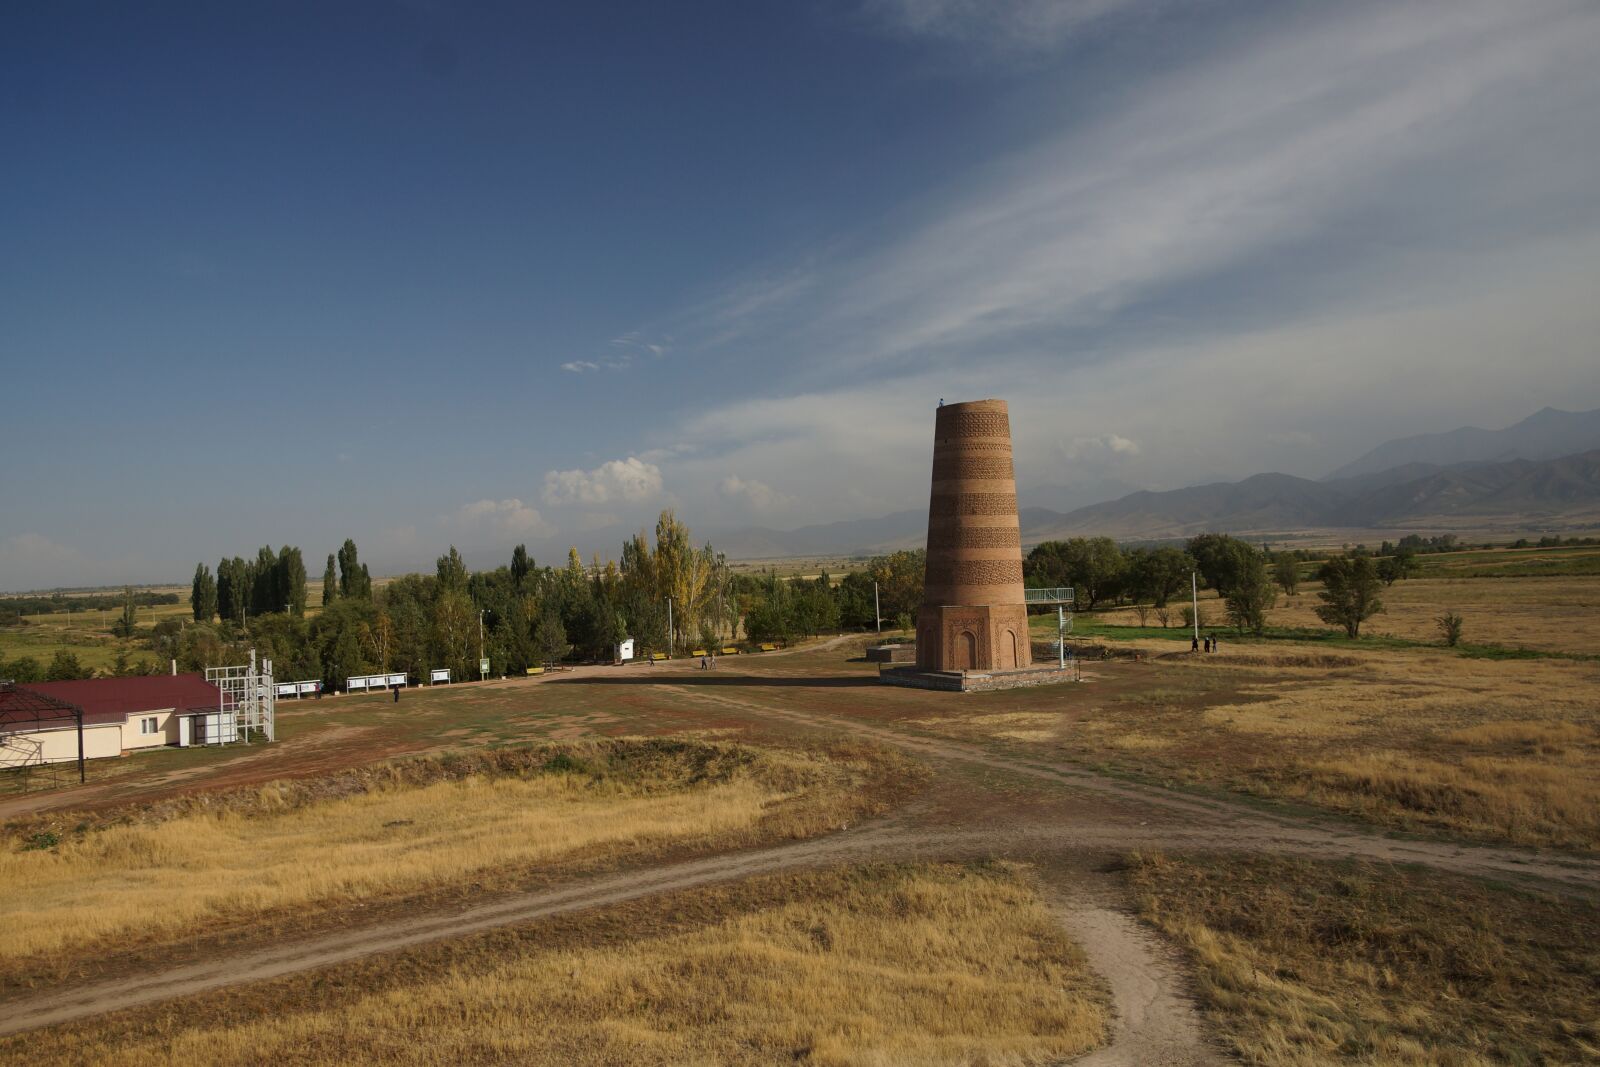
(423, 273)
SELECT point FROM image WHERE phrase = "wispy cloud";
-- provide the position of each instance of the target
(626, 352)
(1214, 256)
(1027, 25)
(1212, 167)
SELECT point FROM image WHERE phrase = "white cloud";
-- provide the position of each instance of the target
(509, 517)
(759, 495)
(580, 366)
(1107, 447)
(626, 480)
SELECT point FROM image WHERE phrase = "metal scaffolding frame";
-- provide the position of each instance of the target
(24, 712)
(247, 703)
(1061, 598)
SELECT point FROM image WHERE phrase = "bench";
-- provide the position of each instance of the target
(769, 648)
(730, 650)
(535, 670)
(657, 657)
(698, 652)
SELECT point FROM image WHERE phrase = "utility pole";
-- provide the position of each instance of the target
(672, 645)
(480, 644)
(1194, 603)
(877, 612)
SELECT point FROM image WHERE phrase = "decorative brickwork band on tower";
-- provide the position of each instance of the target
(973, 616)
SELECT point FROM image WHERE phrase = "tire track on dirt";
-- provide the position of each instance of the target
(1217, 822)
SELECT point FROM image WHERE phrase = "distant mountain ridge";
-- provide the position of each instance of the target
(1564, 488)
(1547, 434)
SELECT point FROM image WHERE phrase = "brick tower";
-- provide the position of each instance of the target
(973, 616)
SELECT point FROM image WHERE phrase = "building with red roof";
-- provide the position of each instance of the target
(39, 720)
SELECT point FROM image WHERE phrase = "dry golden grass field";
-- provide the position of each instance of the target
(929, 964)
(1415, 739)
(1301, 963)
(1547, 614)
(215, 863)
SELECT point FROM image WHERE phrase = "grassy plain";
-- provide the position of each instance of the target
(1536, 614)
(1414, 739)
(927, 964)
(207, 863)
(1300, 963)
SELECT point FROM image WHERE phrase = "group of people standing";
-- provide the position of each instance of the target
(1211, 644)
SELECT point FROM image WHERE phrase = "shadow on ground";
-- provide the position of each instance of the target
(712, 678)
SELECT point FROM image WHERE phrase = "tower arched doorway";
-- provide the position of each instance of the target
(966, 651)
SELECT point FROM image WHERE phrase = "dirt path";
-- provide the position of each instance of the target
(1155, 1021)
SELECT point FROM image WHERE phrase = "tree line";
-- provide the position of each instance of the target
(663, 590)
(273, 582)
(1247, 578)
(15, 607)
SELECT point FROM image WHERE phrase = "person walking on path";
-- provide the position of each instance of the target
(1213, 642)
(1194, 644)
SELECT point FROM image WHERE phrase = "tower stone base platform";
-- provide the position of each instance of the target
(975, 681)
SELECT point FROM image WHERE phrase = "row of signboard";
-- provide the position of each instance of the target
(359, 682)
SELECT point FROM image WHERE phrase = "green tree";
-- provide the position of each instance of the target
(290, 582)
(22, 669)
(64, 667)
(1252, 594)
(1286, 572)
(233, 590)
(203, 594)
(455, 631)
(127, 621)
(1221, 559)
(1393, 568)
(452, 571)
(521, 567)
(550, 638)
(265, 587)
(1450, 625)
(330, 583)
(900, 577)
(1350, 587)
(1157, 574)
(354, 580)
(1094, 566)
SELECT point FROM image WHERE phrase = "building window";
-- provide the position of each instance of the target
(149, 726)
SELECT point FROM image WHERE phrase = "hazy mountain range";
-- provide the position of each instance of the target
(1547, 434)
(1544, 471)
